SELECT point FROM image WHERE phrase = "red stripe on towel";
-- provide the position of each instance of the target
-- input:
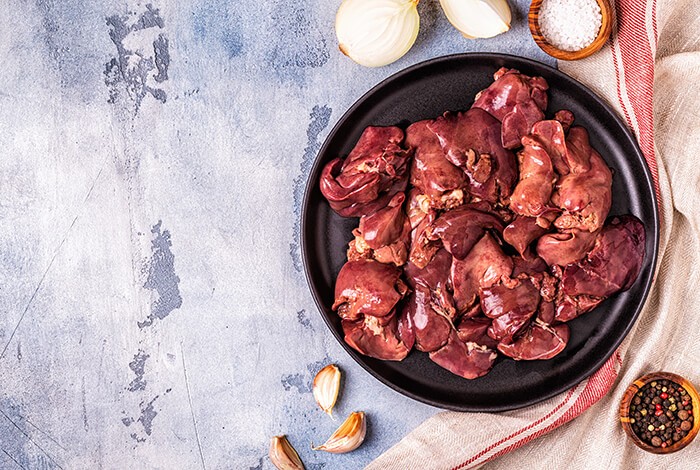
(597, 386)
(638, 66)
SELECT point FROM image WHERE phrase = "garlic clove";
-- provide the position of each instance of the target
(374, 33)
(478, 18)
(283, 456)
(326, 387)
(348, 436)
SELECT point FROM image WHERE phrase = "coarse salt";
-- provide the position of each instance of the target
(570, 25)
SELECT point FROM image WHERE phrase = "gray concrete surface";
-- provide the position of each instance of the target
(153, 310)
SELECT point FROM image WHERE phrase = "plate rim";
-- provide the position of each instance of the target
(309, 188)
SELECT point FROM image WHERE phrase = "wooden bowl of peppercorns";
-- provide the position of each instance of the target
(658, 411)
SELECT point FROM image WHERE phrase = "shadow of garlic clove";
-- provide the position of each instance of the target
(348, 437)
(283, 456)
(326, 387)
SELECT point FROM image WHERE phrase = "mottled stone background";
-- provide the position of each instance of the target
(153, 310)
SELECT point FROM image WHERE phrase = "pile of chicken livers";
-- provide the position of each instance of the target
(481, 232)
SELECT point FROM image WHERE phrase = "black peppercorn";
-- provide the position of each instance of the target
(661, 413)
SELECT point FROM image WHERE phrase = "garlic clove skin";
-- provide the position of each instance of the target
(283, 456)
(375, 33)
(326, 387)
(348, 437)
(478, 18)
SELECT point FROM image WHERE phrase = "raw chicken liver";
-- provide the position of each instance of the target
(465, 251)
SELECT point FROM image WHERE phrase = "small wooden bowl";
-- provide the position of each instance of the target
(598, 42)
(627, 401)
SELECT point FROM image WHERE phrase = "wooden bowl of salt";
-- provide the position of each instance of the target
(569, 30)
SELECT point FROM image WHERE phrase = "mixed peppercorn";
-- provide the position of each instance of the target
(661, 413)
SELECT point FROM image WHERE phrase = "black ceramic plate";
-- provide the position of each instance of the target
(425, 91)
